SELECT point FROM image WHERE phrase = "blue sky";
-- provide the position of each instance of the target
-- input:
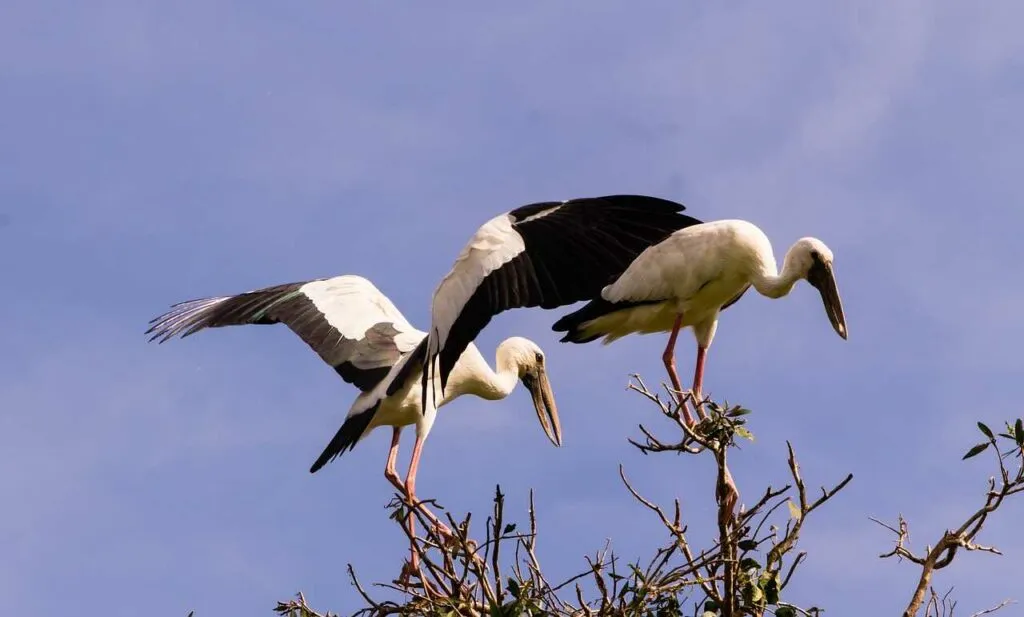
(156, 152)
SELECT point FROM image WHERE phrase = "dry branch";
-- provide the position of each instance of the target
(741, 567)
(1010, 482)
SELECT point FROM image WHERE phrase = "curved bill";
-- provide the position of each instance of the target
(824, 280)
(544, 403)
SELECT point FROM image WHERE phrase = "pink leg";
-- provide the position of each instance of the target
(698, 381)
(410, 491)
(669, 357)
(389, 470)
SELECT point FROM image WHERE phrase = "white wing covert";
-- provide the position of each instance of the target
(346, 320)
(546, 254)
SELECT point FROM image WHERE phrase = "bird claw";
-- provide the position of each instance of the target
(442, 530)
(445, 536)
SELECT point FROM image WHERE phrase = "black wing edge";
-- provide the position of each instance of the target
(188, 317)
(413, 362)
(365, 379)
(273, 305)
(649, 203)
(629, 225)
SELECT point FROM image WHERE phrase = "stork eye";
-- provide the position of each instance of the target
(540, 358)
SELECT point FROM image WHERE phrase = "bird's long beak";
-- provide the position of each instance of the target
(544, 404)
(823, 279)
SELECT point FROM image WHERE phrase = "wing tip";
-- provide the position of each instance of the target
(182, 319)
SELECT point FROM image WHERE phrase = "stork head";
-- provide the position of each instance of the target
(528, 360)
(810, 259)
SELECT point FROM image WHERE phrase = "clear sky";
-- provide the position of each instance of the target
(152, 152)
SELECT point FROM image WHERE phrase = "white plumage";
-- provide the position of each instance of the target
(546, 254)
(690, 277)
(358, 331)
(494, 244)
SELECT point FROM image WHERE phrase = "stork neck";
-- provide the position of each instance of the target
(472, 375)
(769, 282)
(501, 383)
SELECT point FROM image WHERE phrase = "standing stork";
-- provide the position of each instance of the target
(359, 332)
(689, 278)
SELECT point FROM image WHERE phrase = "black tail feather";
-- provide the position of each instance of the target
(573, 323)
(346, 437)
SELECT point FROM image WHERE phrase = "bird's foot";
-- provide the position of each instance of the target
(443, 532)
(688, 419)
(412, 576)
(685, 398)
(695, 399)
(436, 526)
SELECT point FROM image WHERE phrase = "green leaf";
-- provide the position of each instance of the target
(748, 563)
(510, 528)
(513, 587)
(710, 606)
(770, 583)
(985, 430)
(742, 432)
(975, 451)
(794, 511)
(739, 411)
(1018, 430)
(785, 611)
(747, 545)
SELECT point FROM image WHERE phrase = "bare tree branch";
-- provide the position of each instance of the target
(740, 565)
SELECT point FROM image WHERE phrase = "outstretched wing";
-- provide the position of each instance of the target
(346, 320)
(546, 254)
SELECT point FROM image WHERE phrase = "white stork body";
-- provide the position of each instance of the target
(688, 279)
(471, 375)
(359, 332)
(516, 359)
